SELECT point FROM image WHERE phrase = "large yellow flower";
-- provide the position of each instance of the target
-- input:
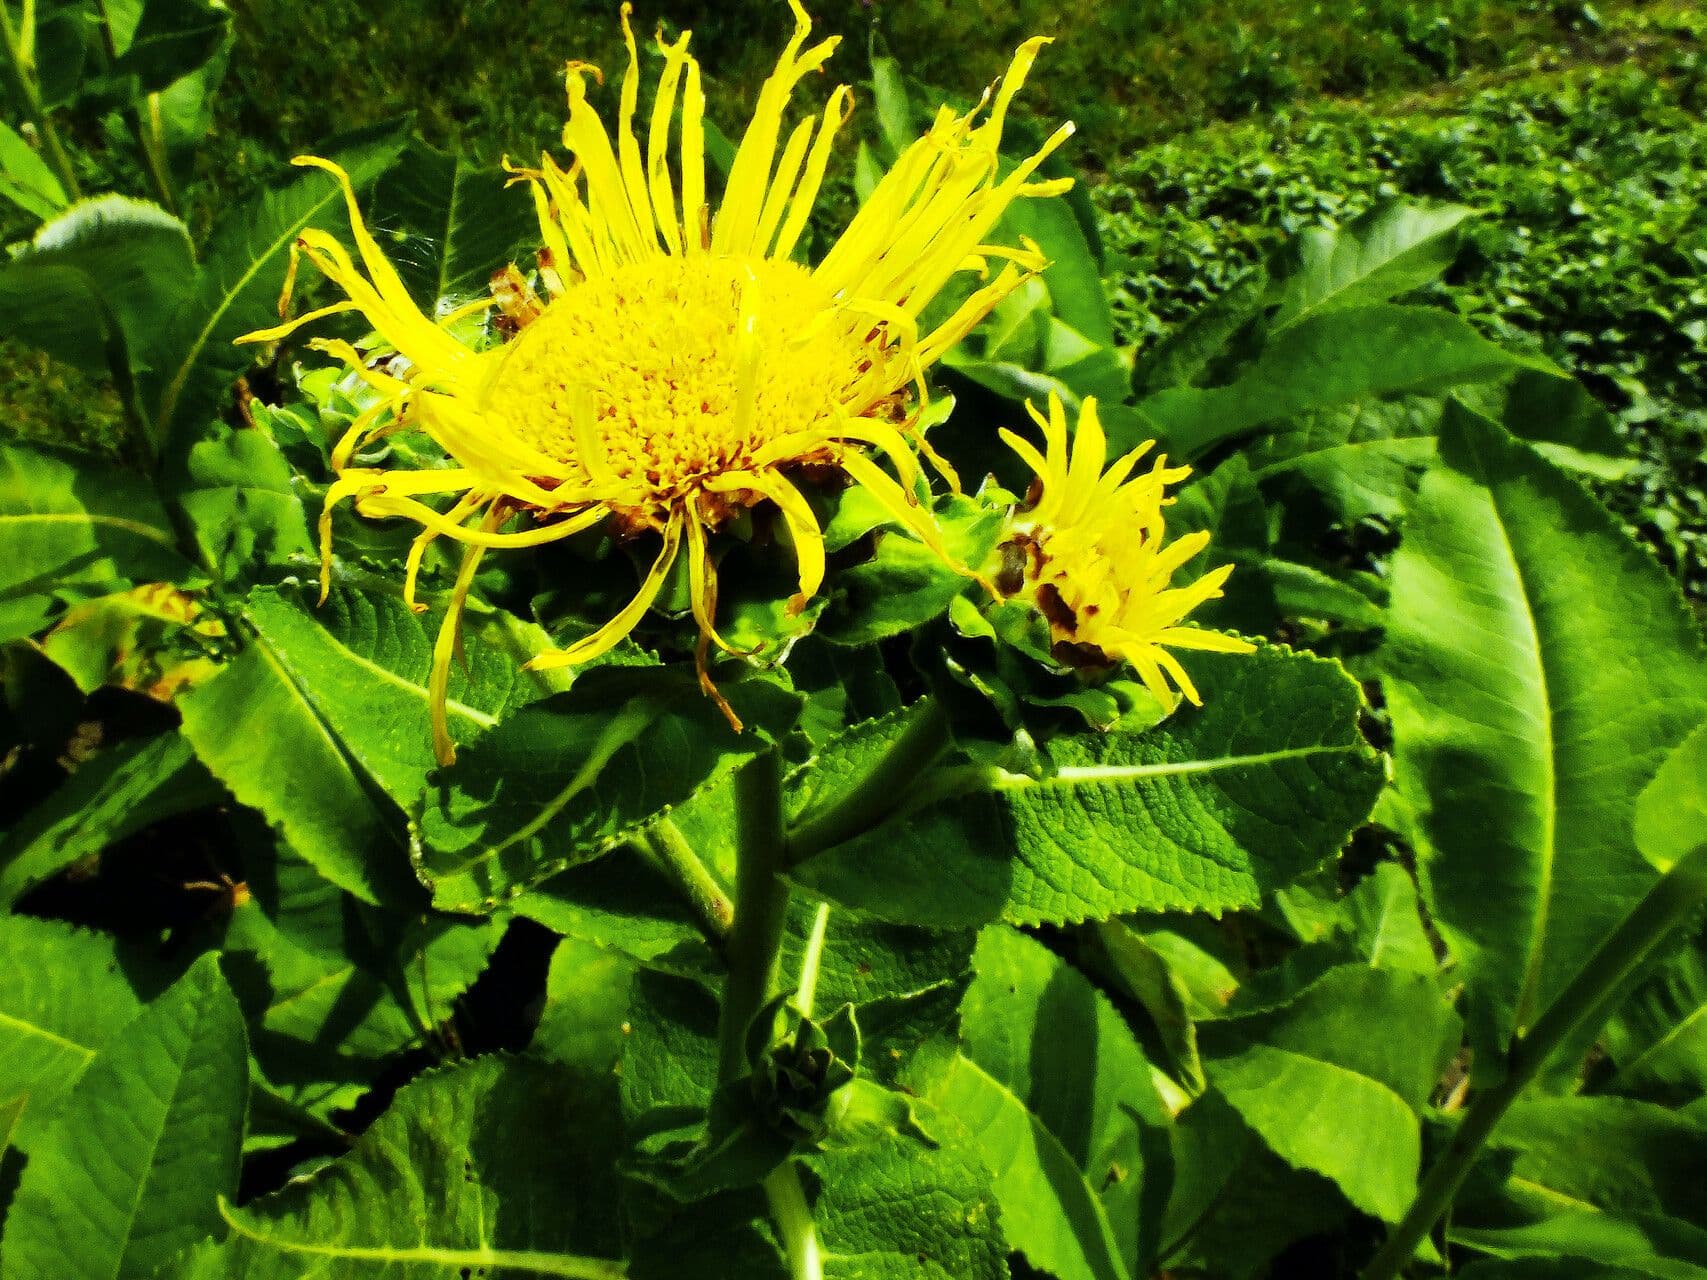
(1089, 553)
(681, 366)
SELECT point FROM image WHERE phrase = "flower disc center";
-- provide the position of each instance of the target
(669, 371)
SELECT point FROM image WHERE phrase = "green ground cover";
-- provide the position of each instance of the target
(1210, 129)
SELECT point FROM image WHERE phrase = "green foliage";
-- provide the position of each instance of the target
(144, 1145)
(1544, 731)
(958, 957)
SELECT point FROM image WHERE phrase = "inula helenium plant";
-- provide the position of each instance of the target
(921, 786)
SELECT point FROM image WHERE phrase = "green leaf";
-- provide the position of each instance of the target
(499, 1165)
(94, 282)
(1049, 1212)
(1360, 459)
(1334, 358)
(304, 783)
(154, 639)
(333, 988)
(147, 1141)
(1234, 1204)
(566, 779)
(1658, 1039)
(363, 660)
(124, 789)
(192, 358)
(1390, 251)
(625, 903)
(241, 500)
(172, 39)
(586, 1008)
(453, 224)
(889, 1206)
(1054, 1043)
(70, 530)
(65, 997)
(1318, 1116)
(1520, 755)
(905, 584)
(1616, 1154)
(1383, 917)
(1207, 811)
(25, 178)
(1394, 1028)
(1671, 812)
(1150, 980)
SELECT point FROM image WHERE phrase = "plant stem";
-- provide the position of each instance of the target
(873, 798)
(666, 845)
(761, 909)
(1589, 1000)
(754, 949)
(27, 98)
(793, 1216)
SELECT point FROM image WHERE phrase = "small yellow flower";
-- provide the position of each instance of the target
(681, 367)
(1088, 552)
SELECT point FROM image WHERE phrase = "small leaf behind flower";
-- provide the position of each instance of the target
(566, 779)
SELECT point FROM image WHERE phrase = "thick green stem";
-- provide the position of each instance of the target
(761, 909)
(872, 799)
(21, 85)
(754, 950)
(1589, 1000)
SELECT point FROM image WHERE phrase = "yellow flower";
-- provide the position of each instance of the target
(1089, 554)
(682, 366)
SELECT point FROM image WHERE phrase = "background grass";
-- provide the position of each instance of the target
(1208, 128)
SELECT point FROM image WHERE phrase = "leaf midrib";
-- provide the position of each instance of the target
(89, 517)
(565, 1265)
(1540, 919)
(1093, 775)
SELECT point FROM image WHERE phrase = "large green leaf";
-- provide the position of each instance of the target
(1541, 666)
(1334, 357)
(565, 779)
(192, 360)
(64, 997)
(889, 1206)
(456, 223)
(1049, 1212)
(72, 529)
(363, 659)
(500, 1166)
(125, 788)
(1319, 1116)
(1391, 1027)
(298, 775)
(94, 282)
(1388, 252)
(1616, 1154)
(1056, 1046)
(1207, 811)
(146, 1142)
(333, 988)
(1658, 1040)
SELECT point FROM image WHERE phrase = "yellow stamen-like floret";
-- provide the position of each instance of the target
(676, 364)
(1090, 554)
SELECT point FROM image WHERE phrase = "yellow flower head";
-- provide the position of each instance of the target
(678, 365)
(1089, 554)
